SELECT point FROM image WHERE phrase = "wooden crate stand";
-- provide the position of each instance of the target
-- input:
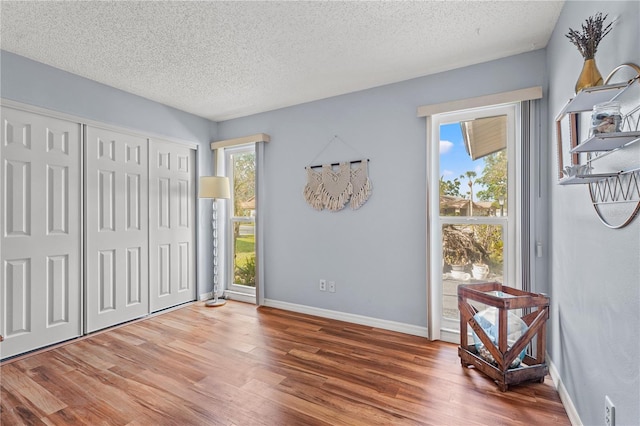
(532, 368)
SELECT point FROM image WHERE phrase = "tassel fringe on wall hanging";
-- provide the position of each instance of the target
(361, 186)
(333, 189)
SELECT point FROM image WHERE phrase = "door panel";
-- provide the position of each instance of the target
(116, 229)
(41, 239)
(171, 224)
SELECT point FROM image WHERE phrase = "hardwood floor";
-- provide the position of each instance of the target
(239, 365)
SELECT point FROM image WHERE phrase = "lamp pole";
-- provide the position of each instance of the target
(214, 227)
(215, 187)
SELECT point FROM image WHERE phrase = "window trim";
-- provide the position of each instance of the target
(528, 94)
(230, 286)
(259, 140)
(530, 115)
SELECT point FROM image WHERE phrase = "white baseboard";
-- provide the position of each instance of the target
(452, 336)
(353, 318)
(572, 413)
(206, 296)
(230, 295)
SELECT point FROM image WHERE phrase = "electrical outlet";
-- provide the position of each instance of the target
(332, 286)
(323, 285)
(609, 412)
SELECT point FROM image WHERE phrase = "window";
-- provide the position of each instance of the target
(242, 160)
(241, 170)
(472, 216)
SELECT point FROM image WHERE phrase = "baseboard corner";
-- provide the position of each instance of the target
(569, 407)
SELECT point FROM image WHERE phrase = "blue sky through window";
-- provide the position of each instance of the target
(454, 160)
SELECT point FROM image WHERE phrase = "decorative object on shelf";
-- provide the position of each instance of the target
(577, 170)
(589, 76)
(215, 187)
(606, 118)
(614, 183)
(332, 189)
(587, 41)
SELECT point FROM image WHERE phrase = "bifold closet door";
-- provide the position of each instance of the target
(171, 224)
(116, 248)
(40, 296)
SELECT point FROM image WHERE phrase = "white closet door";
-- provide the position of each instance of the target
(171, 224)
(40, 246)
(116, 202)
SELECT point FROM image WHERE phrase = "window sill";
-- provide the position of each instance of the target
(240, 297)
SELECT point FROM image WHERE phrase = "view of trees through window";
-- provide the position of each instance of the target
(471, 188)
(243, 218)
(486, 190)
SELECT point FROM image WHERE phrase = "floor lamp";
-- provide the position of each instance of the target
(216, 187)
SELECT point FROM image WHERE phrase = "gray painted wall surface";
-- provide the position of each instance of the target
(595, 284)
(376, 255)
(34, 83)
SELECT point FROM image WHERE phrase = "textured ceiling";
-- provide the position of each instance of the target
(222, 60)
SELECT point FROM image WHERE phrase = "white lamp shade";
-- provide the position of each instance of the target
(214, 187)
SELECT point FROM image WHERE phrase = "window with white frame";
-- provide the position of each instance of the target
(473, 204)
(493, 199)
(242, 160)
(241, 169)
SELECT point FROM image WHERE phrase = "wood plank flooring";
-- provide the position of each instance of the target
(242, 365)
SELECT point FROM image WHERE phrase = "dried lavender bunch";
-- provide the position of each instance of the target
(592, 33)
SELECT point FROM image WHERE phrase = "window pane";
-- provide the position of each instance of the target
(243, 167)
(244, 184)
(470, 253)
(473, 187)
(244, 259)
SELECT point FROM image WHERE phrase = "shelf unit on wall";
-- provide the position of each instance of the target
(610, 188)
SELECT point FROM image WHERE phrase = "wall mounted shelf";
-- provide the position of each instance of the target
(603, 142)
(623, 187)
(608, 189)
(587, 98)
(582, 179)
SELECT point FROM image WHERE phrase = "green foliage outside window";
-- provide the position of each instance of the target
(245, 261)
(246, 272)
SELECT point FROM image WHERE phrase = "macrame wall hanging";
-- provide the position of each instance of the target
(333, 188)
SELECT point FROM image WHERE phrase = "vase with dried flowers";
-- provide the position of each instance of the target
(587, 41)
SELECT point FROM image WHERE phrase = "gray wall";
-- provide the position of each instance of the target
(376, 255)
(34, 83)
(595, 284)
